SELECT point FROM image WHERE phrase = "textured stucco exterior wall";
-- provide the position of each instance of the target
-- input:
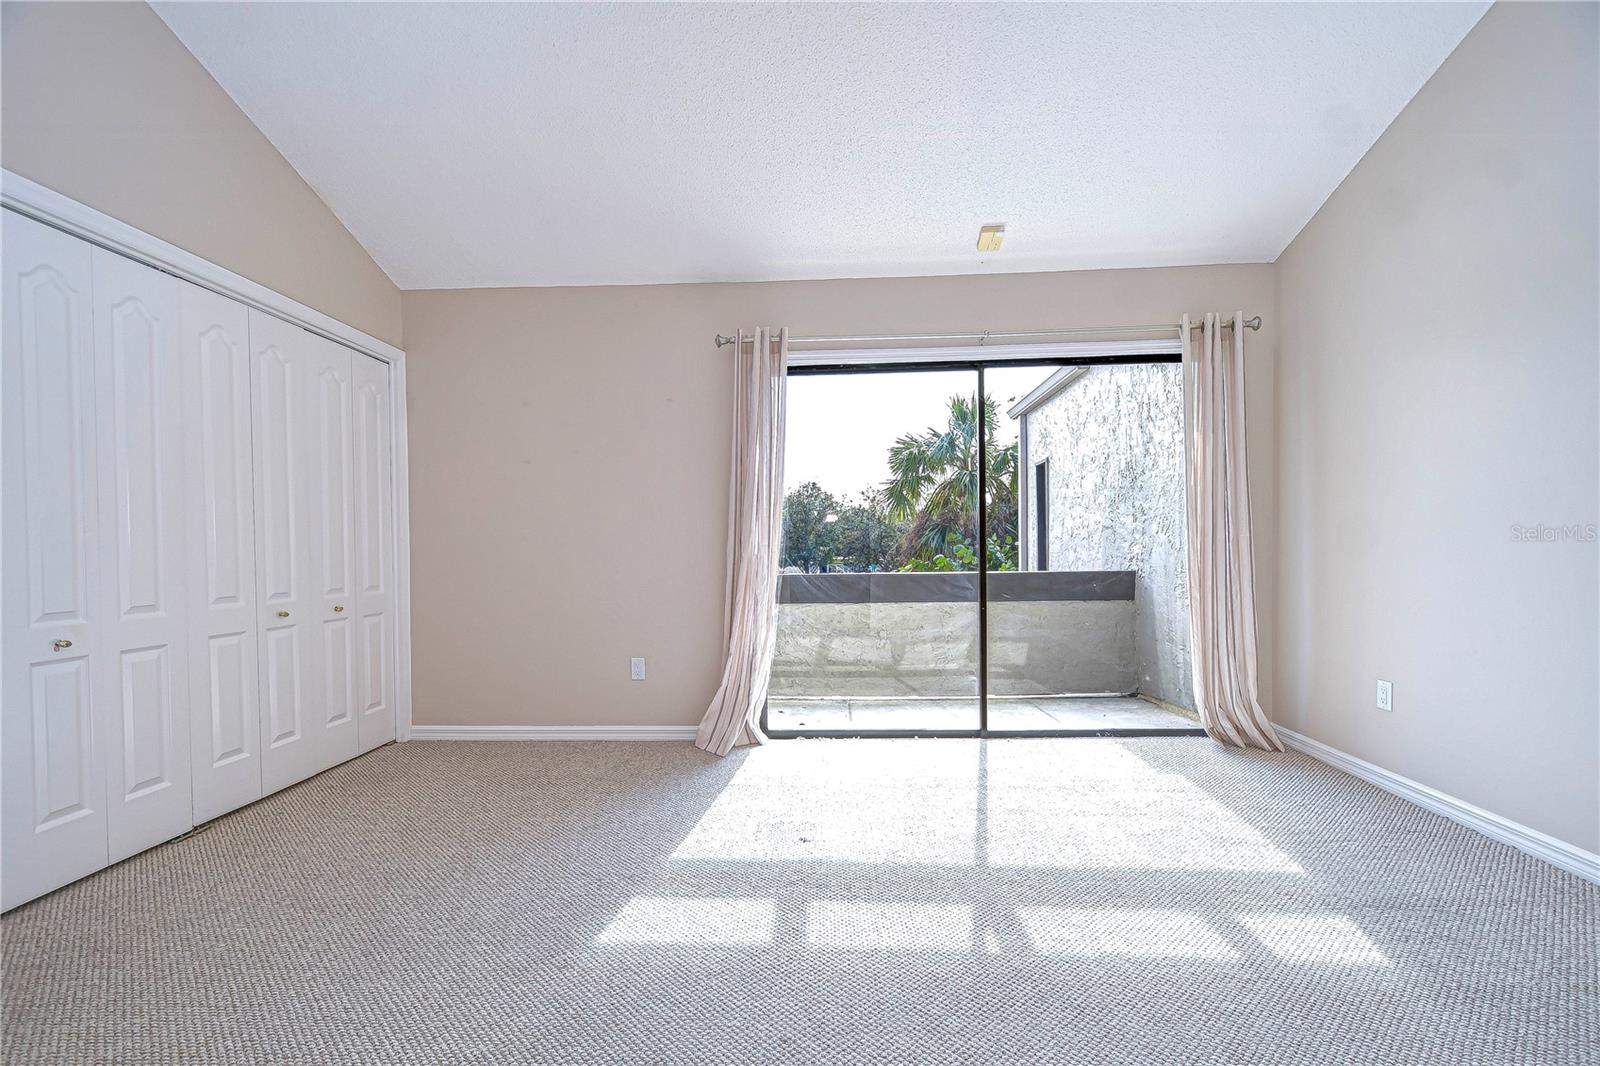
(1114, 439)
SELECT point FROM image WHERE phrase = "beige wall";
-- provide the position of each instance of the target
(1437, 386)
(103, 104)
(569, 457)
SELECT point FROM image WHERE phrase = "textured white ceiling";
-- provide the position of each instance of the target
(488, 145)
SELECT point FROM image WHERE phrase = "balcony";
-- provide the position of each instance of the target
(899, 651)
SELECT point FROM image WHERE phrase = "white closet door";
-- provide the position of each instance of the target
(375, 543)
(302, 442)
(288, 660)
(54, 785)
(334, 528)
(139, 666)
(224, 687)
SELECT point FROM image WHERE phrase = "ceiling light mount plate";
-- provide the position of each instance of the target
(989, 237)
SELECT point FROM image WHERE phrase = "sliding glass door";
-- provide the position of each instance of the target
(878, 608)
(1087, 609)
(961, 567)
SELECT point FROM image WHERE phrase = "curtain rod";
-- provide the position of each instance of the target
(988, 335)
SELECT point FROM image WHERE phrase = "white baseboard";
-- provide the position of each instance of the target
(553, 732)
(1558, 853)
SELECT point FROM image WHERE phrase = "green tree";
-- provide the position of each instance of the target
(1002, 556)
(867, 538)
(933, 489)
(810, 540)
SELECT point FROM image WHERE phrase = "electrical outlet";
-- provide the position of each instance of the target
(1385, 695)
(637, 667)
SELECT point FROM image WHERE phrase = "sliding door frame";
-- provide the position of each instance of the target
(975, 360)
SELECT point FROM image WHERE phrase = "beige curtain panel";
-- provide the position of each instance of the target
(1222, 606)
(755, 526)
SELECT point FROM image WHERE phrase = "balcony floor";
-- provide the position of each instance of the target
(1006, 713)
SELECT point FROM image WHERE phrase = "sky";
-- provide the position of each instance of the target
(841, 426)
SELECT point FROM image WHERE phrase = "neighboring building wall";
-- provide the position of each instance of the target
(1114, 439)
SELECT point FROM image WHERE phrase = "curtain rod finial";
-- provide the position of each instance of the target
(723, 342)
(1253, 323)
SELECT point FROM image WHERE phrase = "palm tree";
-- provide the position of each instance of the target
(933, 486)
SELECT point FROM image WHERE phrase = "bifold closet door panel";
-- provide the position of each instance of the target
(139, 667)
(224, 685)
(302, 444)
(334, 529)
(375, 551)
(55, 784)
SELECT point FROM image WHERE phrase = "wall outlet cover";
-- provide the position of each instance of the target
(1385, 696)
(637, 667)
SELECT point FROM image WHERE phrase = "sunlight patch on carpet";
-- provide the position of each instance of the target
(691, 921)
(862, 924)
(1328, 939)
(1129, 933)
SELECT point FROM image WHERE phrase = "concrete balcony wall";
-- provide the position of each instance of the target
(1051, 633)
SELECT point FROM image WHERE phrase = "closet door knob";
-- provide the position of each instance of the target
(283, 614)
(337, 608)
(62, 645)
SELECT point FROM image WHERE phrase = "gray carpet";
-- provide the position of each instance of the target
(882, 901)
